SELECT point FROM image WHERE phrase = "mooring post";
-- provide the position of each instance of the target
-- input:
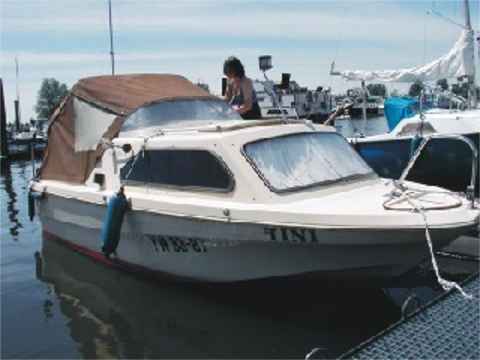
(17, 115)
(3, 125)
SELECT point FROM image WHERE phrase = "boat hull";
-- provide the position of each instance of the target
(390, 157)
(215, 251)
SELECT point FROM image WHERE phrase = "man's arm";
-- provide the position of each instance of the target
(247, 90)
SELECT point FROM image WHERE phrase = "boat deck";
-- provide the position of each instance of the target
(446, 328)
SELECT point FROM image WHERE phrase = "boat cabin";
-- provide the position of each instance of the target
(195, 143)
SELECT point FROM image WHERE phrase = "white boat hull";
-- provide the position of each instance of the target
(218, 251)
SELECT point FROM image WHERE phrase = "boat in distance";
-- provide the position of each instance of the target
(211, 197)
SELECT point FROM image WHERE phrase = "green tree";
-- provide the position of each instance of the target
(443, 83)
(416, 88)
(377, 89)
(50, 95)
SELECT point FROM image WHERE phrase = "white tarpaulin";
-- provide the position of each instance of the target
(459, 61)
(90, 124)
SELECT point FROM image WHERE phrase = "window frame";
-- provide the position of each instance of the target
(231, 183)
(170, 100)
(293, 189)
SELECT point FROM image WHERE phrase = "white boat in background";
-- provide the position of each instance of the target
(268, 108)
(374, 104)
(294, 101)
(446, 162)
(215, 198)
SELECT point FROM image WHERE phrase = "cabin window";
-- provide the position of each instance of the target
(179, 114)
(179, 168)
(297, 161)
(99, 179)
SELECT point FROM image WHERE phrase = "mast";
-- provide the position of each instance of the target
(468, 23)
(3, 125)
(473, 88)
(17, 100)
(112, 55)
(364, 105)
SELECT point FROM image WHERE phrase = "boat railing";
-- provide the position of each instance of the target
(436, 93)
(218, 127)
(470, 191)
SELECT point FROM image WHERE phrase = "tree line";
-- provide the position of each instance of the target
(460, 89)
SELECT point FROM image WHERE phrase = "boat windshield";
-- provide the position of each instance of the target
(298, 161)
(180, 114)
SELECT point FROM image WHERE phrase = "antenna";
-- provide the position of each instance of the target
(265, 64)
(332, 70)
(16, 78)
(112, 55)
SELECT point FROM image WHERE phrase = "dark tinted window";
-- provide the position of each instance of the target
(184, 168)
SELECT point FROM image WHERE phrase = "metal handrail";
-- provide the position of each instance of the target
(471, 188)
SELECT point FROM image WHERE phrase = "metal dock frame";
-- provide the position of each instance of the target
(448, 327)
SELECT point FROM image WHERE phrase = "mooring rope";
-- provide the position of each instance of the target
(405, 194)
(445, 284)
(134, 158)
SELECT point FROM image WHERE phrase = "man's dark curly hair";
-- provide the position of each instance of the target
(233, 66)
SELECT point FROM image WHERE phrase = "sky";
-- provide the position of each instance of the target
(69, 40)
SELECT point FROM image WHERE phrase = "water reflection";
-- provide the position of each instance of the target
(115, 314)
(7, 180)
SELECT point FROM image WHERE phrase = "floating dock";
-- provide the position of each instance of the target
(446, 328)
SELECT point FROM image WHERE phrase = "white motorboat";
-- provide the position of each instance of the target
(215, 198)
(294, 101)
(268, 108)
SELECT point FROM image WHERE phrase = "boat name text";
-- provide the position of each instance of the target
(294, 235)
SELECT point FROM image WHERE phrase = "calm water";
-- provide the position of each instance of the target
(56, 303)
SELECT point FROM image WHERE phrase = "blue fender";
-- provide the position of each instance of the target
(32, 196)
(112, 225)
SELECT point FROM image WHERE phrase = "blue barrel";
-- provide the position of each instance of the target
(112, 225)
(396, 109)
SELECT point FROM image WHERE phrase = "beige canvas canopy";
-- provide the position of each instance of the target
(96, 108)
